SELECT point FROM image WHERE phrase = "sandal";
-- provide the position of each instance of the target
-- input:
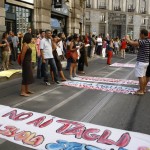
(25, 95)
(30, 92)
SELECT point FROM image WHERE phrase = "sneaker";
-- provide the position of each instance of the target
(47, 83)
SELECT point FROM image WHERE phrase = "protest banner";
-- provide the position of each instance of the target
(45, 132)
(101, 87)
(108, 80)
(123, 65)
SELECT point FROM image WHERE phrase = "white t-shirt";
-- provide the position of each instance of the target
(99, 41)
(46, 47)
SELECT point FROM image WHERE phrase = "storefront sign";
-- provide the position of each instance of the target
(45, 132)
(63, 11)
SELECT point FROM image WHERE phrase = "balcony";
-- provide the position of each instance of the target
(88, 5)
(143, 12)
(102, 7)
(117, 8)
(131, 10)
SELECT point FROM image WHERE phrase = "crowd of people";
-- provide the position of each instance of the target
(49, 49)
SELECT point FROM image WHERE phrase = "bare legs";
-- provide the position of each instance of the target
(73, 69)
(24, 90)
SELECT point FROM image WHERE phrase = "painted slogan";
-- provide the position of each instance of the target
(123, 65)
(45, 132)
(101, 87)
(107, 80)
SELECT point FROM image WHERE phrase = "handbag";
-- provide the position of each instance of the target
(74, 55)
(68, 54)
(19, 59)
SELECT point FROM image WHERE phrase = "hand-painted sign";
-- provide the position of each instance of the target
(107, 80)
(101, 87)
(45, 132)
(123, 65)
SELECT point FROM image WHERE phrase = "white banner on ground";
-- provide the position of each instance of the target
(44, 132)
(101, 87)
(107, 80)
(123, 65)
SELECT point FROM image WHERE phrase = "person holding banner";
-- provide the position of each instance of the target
(142, 59)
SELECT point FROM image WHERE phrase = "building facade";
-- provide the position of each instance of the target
(18, 15)
(117, 17)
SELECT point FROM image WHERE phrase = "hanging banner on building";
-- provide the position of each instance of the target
(107, 80)
(123, 65)
(44, 132)
(101, 87)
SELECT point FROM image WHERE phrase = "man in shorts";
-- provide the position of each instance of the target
(142, 59)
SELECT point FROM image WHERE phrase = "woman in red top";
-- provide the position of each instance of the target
(123, 47)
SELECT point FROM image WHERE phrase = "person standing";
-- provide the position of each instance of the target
(15, 42)
(116, 45)
(109, 51)
(47, 57)
(74, 47)
(104, 46)
(99, 45)
(81, 62)
(5, 52)
(9, 39)
(39, 57)
(27, 73)
(33, 46)
(123, 48)
(57, 53)
(142, 59)
(93, 45)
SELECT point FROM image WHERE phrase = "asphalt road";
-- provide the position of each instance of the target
(128, 112)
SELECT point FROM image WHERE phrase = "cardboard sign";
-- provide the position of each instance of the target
(107, 80)
(101, 87)
(123, 65)
(44, 132)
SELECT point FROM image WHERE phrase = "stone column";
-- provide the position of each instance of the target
(2, 17)
(107, 4)
(124, 4)
(75, 16)
(106, 23)
(148, 6)
(95, 5)
(137, 6)
(42, 14)
(110, 4)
